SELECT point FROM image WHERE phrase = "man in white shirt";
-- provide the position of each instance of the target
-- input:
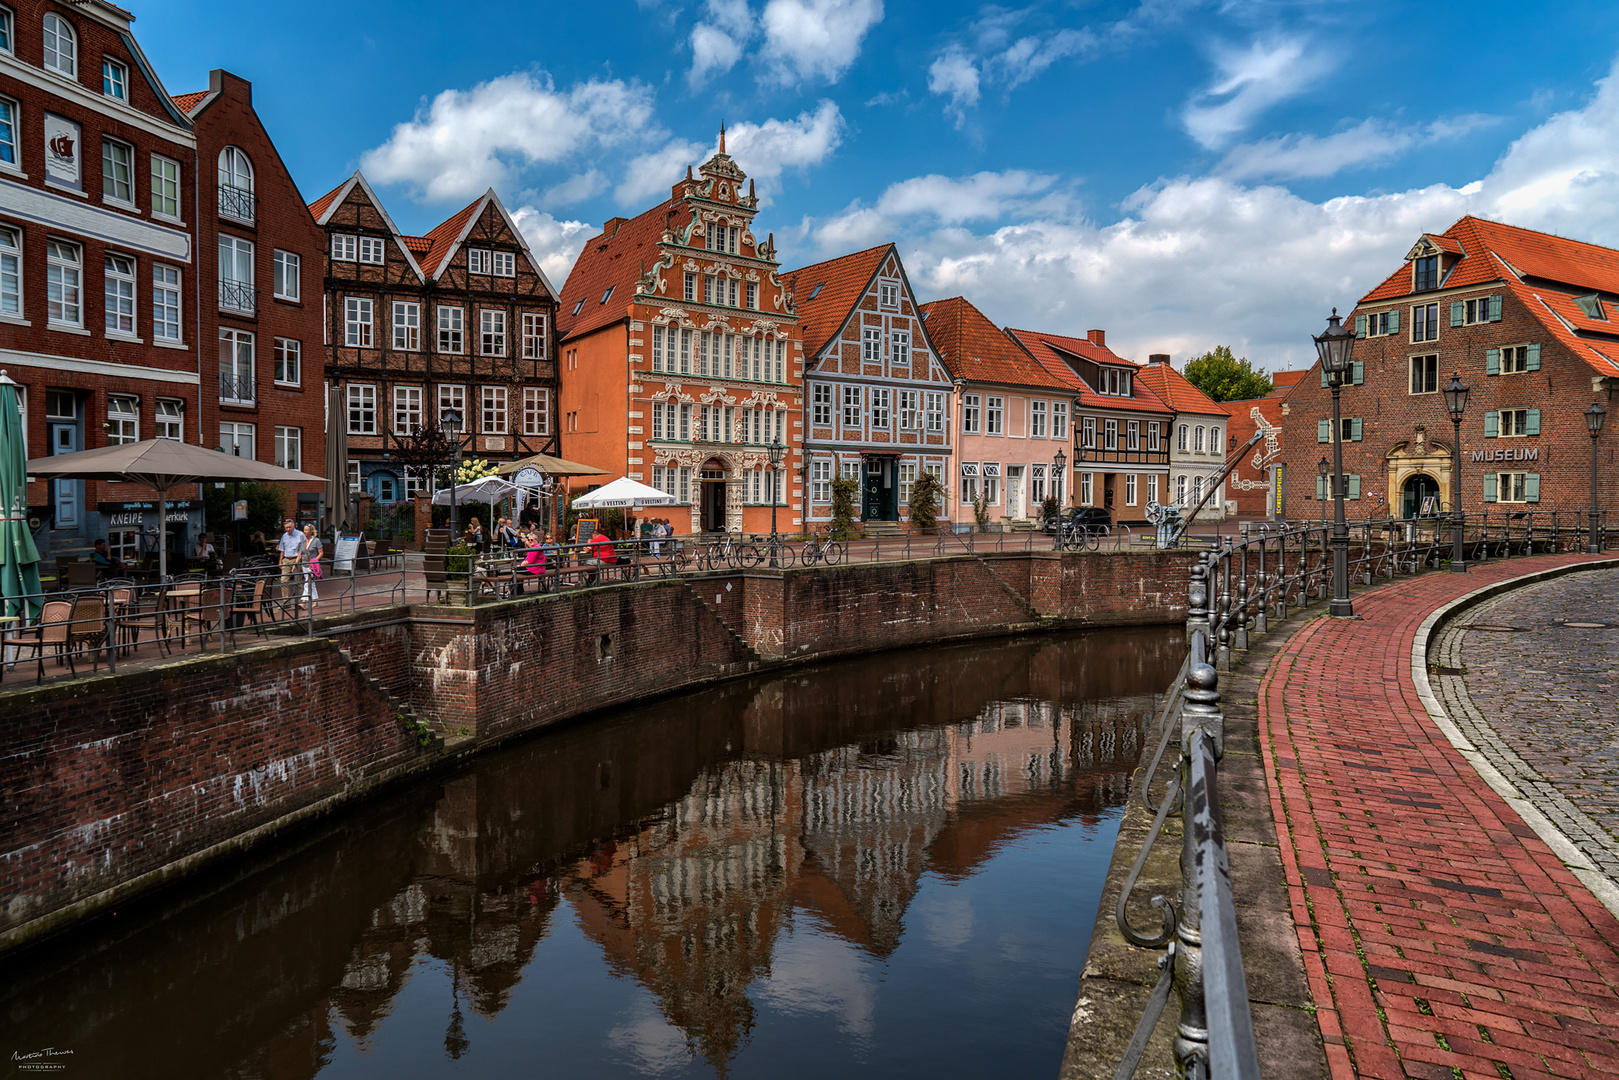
(290, 546)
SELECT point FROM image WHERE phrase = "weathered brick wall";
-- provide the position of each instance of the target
(109, 778)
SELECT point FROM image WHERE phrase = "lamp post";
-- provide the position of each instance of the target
(1321, 471)
(777, 452)
(1593, 420)
(1058, 464)
(450, 421)
(1456, 405)
(1336, 347)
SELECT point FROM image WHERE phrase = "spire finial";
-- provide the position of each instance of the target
(722, 136)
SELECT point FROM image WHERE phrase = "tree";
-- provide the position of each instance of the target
(1225, 378)
(425, 452)
(926, 495)
(844, 491)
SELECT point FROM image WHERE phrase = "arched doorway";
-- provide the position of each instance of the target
(1418, 488)
(711, 507)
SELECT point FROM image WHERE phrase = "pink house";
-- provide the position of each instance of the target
(1012, 417)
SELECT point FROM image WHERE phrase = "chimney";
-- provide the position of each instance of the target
(1097, 338)
(610, 229)
(1158, 358)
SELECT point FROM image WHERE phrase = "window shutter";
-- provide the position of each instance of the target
(1354, 485)
(1531, 487)
(1533, 358)
(1323, 377)
(1492, 361)
(1532, 427)
(1360, 326)
(1456, 313)
(1495, 309)
(1323, 430)
(1394, 321)
(1354, 430)
(1490, 421)
(1360, 372)
(1489, 487)
(1321, 487)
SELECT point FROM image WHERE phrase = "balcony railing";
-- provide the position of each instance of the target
(237, 295)
(237, 202)
(237, 388)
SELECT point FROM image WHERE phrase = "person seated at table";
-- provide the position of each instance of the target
(474, 534)
(255, 545)
(507, 534)
(106, 565)
(534, 564)
(602, 553)
(205, 552)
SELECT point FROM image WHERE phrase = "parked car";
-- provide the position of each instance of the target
(1081, 515)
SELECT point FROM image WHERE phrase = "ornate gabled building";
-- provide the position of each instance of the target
(462, 318)
(878, 399)
(681, 357)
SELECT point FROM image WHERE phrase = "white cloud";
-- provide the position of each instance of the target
(468, 140)
(649, 175)
(807, 40)
(996, 60)
(1197, 261)
(983, 196)
(1029, 56)
(765, 150)
(1371, 142)
(717, 42)
(555, 243)
(1249, 82)
(953, 73)
(576, 188)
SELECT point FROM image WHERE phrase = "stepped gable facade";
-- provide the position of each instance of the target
(1200, 440)
(461, 319)
(1012, 416)
(1121, 428)
(681, 357)
(878, 406)
(1530, 321)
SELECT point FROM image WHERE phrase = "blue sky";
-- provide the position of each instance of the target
(1182, 174)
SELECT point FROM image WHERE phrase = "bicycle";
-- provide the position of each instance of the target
(823, 548)
(779, 550)
(1086, 537)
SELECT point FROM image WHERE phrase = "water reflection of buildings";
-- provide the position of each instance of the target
(686, 841)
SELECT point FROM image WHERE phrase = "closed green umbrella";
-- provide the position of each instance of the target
(19, 558)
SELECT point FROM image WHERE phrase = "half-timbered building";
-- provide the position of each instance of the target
(877, 399)
(682, 362)
(460, 319)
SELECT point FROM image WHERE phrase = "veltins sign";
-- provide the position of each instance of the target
(61, 151)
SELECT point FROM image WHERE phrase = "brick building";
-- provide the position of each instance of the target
(461, 318)
(1250, 485)
(681, 356)
(878, 398)
(1531, 321)
(1197, 449)
(111, 297)
(1012, 417)
(1121, 428)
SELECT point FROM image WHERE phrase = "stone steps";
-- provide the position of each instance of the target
(404, 713)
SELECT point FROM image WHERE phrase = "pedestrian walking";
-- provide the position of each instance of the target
(311, 555)
(290, 547)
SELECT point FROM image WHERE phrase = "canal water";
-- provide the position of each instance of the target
(883, 867)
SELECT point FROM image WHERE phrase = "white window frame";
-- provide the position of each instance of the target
(167, 318)
(910, 416)
(536, 411)
(452, 396)
(169, 420)
(114, 79)
(11, 279)
(287, 365)
(242, 365)
(1514, 359)
(971, 413)
(821, 404)
(888, 295)
(58, 31)
(491, 332)
(111, 166)
(119, 293)
(373, 251)
(853, 408)
(493, 402)
(1427, 361)
(451, 323)
(166, 188)
(505, 264)
(821, 481)
(360, 408)
(8, 30)
(871, 345)
(289, 447)
(236, 293)
(994, 415)
(1037, 419)
(237, 436)
(534, 325)
(880, 397)
(358, 313)
(236, 186)
(407, 325)
(64, 284)
(934, 402)
(10, 123)
(407, 410)
(285, 275)
(123, 419)
(344, 247)
(478, 260)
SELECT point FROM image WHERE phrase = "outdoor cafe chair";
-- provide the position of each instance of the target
(149, 610)
(202, 610)
(87, 630)
(249, 605)
(80, 575)
(50, 632)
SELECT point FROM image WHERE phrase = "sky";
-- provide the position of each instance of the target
(1181, 174)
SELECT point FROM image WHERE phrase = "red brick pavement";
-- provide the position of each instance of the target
(1441, 937)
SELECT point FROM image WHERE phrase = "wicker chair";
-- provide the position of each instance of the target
(49, 633)
(87, 630)
(147, 611)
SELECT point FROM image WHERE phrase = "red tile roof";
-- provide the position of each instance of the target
(417, 244)
(611, 261)
(1049, 350)
(826, 292)
(1543, 272)
(973, 348)
(324, 203)
(1282, 381)
(442, 239)
(1171, 387)
(189, 101)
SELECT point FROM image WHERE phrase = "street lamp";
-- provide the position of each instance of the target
(1321, 471)
(777, 452)
(1336, 347)
(1593, 420)
(1058, 464)
(450, 420)
(1456, 404)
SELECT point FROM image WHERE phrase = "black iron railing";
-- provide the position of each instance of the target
(237, 388)
(237, 202)
(237, 295)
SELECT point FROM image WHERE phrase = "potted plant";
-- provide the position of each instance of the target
(457, 571)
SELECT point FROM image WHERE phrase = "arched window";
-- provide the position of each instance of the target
(1197, 488)
(1197, 439)
(1214, 440)
(235, 184)
(61, 47)
(1180, 438)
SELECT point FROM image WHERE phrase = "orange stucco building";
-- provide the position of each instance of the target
(682, 359)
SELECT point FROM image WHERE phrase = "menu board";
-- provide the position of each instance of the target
(343, 554)
(583, 530)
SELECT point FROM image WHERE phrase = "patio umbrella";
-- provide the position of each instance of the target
(19, 558)
(339, 501)
(551, 466)
(622, 492)
(489, 489)
(161, 464)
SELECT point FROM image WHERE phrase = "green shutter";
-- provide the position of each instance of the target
(1354, 430)
(1489, 487)
(1534, 358)
(1323, 376)
(1321, 487)
(1492, 361)
(1394, 321)
(1360, 372)
(1323, 430)
(1495, 309)
(1531, 487)
(1354, 485)
(1360, 326)
(1457, 310)
(1533, 425)
(1491, 420)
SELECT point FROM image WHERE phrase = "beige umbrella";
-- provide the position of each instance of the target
(339, 500)
(161, 464)
(551, 466)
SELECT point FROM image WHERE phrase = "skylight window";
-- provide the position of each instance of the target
(577, 306)
(817, 290)
(608, 293)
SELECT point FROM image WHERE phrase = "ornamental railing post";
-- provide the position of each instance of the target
(1200, 712)
(1197, 611)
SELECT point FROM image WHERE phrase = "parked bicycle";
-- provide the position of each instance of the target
(777, 552)
(732, 551)
(822, 547)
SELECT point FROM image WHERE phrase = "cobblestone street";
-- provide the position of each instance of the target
(1539, 668)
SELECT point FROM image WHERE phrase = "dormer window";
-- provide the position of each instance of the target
(1591, 306)
(1426, 273)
